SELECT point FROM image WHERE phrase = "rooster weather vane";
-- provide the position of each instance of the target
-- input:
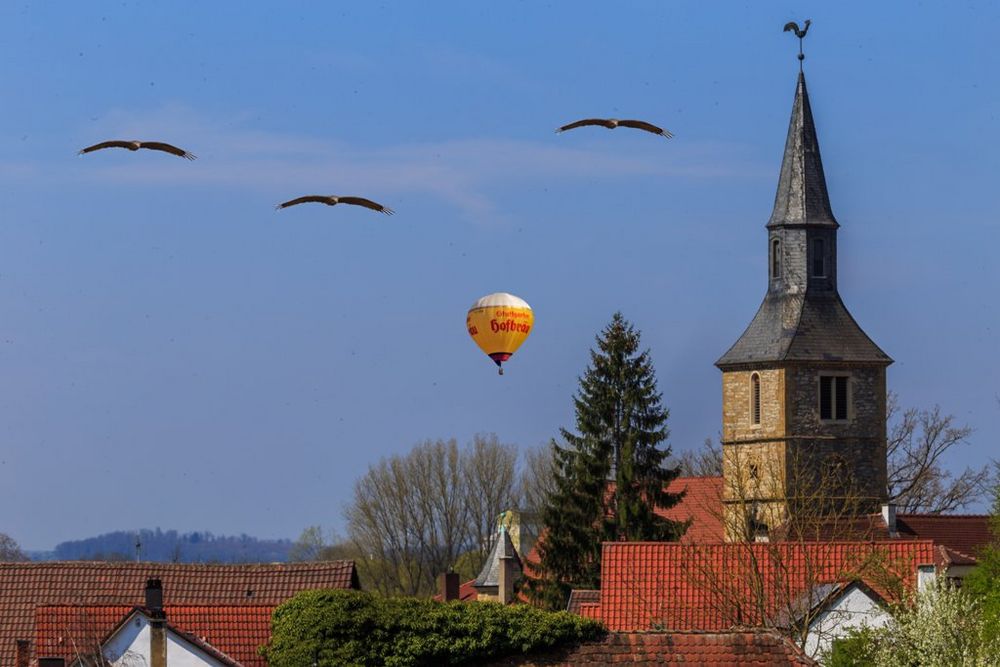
(792, 26)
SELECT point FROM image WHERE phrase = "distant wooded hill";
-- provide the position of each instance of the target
(169, 546)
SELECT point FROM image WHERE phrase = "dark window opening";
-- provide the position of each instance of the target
(755, 398)
(819, 258)
(754, 472)
(833, 397)
(775, 258)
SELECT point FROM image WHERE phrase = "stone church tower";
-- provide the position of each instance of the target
(803, 389)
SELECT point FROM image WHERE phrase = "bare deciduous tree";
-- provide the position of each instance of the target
(10, 551)
(917, 443)
(415, 516)
(706, 462)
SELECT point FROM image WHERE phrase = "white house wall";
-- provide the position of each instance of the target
(853, 609)
(129, 647)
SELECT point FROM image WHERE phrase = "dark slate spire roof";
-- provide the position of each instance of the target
(802, 317)
(490, 574)
(802, 198)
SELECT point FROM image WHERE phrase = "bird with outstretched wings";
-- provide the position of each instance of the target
(332, 200)
(612, 123)
(136, 145)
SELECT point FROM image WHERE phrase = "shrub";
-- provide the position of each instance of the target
(335, 627)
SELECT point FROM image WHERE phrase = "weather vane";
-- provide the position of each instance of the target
(792, 26)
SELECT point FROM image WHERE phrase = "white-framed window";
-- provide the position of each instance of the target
(755, 399)
(834, 397)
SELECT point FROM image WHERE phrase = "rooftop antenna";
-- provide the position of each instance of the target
(792, 26)
(138, 548)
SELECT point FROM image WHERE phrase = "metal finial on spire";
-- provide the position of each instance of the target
(792, 26)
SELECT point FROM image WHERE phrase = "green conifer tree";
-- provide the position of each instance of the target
(610, 475)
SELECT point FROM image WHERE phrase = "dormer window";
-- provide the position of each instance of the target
(819, 258)
(775, 258)
(755, 399)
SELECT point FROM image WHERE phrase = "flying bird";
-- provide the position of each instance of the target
(792, 26)
(136, 145)
(334, 200)
(612, 123)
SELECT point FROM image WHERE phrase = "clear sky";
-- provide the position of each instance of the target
(176, 353)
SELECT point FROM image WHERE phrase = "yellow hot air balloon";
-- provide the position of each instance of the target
(499, 323)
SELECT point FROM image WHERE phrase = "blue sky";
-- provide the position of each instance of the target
(176, 353)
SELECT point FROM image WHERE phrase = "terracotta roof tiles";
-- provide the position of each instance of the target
(755, 648)
(25, 586)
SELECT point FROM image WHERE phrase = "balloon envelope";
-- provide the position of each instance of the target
(499, 323)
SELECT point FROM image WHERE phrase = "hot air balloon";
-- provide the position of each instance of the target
(499, 323)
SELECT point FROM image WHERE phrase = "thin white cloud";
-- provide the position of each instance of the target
(466, 173)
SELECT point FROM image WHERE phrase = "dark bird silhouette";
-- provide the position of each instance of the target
(334, 200)
(792, 26)
(136, 145)
(612, 123)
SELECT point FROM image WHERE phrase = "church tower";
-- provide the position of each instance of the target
(803, 389)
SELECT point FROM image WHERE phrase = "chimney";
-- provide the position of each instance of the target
(157, 623)
(22, 657)
(154, 597)
(889, 516)
(448, 586)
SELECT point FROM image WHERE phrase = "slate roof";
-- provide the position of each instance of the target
(724, 649)
(802, 197)
(806, 324)
(803, 327)
(230, 633)
(25, 586)
(659, 585)
(489, 576)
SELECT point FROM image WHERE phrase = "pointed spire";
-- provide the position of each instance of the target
(802, 198)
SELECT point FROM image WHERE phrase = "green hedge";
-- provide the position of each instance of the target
(335, 627)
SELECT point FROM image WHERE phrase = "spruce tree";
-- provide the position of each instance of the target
(610, 474)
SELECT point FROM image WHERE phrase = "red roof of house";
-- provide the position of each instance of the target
(581, 596)
(702, 504)
(658, 585)
(722, 649)
(466, 592)
(235, 631)
(964, 533)
(25, 586)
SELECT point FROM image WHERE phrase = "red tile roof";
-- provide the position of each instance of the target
(964, 533)
(702, 503)
(654, 585)
(722, 649)
(25, 586)
(466, 592)
(235, 631)
(581, 596)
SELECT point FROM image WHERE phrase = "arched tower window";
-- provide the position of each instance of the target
(755, 399)
(775, 258)
(819, 258)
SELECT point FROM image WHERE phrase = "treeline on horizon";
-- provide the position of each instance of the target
(170, 546)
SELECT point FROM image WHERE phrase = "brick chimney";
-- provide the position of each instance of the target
(448, 586)
(157, 623)
(22, 657)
